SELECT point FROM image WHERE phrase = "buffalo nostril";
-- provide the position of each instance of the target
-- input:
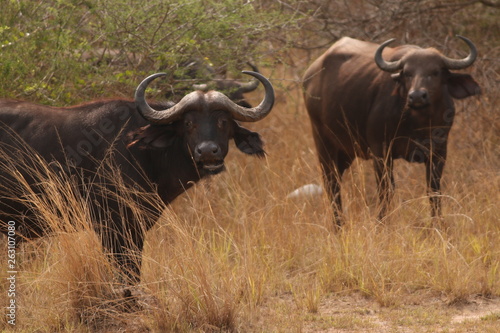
(207, 150)
(417, 97)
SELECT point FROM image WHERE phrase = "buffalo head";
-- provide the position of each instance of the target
(203, 123)
(424, 75)
(232, 88)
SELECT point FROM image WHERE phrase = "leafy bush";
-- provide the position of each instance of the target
(72, 50)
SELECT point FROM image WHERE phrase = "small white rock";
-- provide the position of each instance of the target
(308, 190)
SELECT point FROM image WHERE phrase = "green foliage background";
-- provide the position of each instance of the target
(66, 51)
(63, 52)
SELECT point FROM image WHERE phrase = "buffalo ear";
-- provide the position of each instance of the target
(247, 141)
(462, 86)
(151, 136)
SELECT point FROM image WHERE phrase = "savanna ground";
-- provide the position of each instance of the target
(235, 254)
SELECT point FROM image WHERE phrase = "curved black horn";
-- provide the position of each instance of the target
(465, 62)
(249, 86)
(218, 99)
(248, 114)
(160, 117)
(388, 66)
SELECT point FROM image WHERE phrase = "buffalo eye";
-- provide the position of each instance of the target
(188, 124)
(433, 75)
(407, 75)
(222, 123)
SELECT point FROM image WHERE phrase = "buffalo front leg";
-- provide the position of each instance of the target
(125, 247)
(434, 167)
(385, 183)
(332, 173)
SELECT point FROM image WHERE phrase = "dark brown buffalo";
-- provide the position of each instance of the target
(233, 89)
(362, 105)
(193, 70)
(165, 151)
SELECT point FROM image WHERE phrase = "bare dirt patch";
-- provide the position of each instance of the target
(355, 314)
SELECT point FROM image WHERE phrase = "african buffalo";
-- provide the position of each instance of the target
(233, 89)
(165, 151)
(193, 70)
(358, 108)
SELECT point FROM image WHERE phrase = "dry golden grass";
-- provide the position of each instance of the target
(234, 254)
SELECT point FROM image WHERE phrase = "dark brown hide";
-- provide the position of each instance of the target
(358, 110)
(94, 142)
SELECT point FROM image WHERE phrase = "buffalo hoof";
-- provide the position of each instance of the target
(134, 299)
(338, 222)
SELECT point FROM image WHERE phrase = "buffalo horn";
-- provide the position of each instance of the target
(388, 66)
(165, 116)
(248, 87)
(241, 113)
(217, 100)
(465, 62)
(239, 87)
